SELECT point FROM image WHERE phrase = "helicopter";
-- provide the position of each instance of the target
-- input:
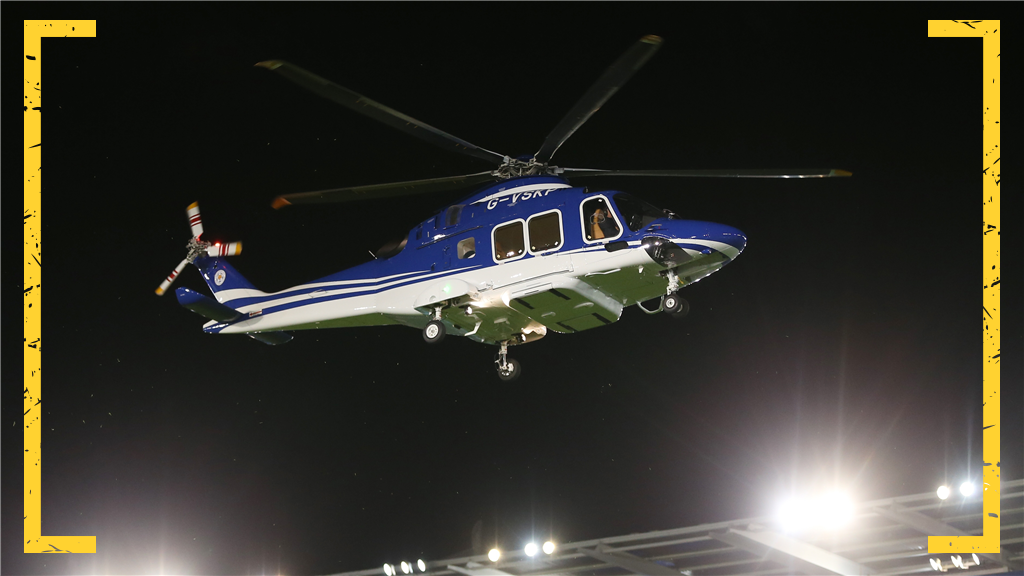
(526, 253)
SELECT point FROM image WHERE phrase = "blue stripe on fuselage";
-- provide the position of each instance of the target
(316, 286)
(327, 298)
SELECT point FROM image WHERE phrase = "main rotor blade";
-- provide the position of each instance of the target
(606, 86)
(801, 173)
(378, 111)
(391, 190)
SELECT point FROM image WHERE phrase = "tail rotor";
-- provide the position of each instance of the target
(198, 248)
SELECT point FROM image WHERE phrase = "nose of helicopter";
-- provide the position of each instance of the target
(725, 239)
(706, 237)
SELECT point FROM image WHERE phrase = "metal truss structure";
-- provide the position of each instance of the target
(888, 536)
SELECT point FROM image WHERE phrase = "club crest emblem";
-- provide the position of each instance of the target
(219, 277)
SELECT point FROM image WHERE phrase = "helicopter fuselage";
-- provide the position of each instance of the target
(507, 264)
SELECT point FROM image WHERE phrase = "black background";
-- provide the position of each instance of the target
(842, 349)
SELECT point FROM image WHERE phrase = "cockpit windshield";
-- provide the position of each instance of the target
(638, 213)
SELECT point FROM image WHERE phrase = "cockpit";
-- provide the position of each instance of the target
(637, 213)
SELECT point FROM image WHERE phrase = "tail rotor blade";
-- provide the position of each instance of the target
(194, 220)
(227, 249)
(170, 279)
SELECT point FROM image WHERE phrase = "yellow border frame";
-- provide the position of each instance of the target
(35, 31)
(988, 31)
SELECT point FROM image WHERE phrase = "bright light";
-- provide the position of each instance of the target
(936, 565)
(405, 567)
(795, 515)
(387, 570)
(835, 510)
(967, 488)
(494, 554)
(957, 561)
(531, 549)
(421, 565)
(942, 492)
(829, 512)
(977, 561)
(549, 547)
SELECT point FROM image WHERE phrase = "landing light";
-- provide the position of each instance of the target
(406, 568)
(936, 565)
(942, 492)
(549, 547)
(421, 565)
(977, 561)
(494, 555)
(388, 570)
(531, 549)
(967, 488)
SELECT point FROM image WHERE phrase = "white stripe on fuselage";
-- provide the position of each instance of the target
(396, 301)
(225, 296)
(729, 250)
(263, 304)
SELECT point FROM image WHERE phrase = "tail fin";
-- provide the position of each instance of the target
(226, 283)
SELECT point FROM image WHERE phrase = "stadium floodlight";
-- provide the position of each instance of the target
(828, 512)
(936, 565)
(967, 488)
(405, 567)
(794, 515)
(388, 570)
(549, 547)
(494, 555)
(421, 565)
(531, 549)
(942, 492)
(834, 510)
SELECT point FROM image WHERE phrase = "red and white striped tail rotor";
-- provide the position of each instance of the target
(198, 248)
(228, 249)
(194, 220)
(170, 279)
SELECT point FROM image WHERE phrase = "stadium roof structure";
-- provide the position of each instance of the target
(888, 536)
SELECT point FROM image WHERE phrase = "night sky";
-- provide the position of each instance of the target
(842, 348)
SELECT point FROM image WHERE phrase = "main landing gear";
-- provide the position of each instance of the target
(508, 369)
(434, 331)
(675, 305)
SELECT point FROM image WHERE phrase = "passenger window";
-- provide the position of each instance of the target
(508, 241)
(598, 221)
(467, 248)
(545, 231)
(451, 217)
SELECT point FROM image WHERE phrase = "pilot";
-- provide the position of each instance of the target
(602, 225)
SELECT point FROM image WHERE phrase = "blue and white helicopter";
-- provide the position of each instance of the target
(525, 254)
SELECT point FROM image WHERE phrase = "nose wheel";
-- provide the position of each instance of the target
(675, 305)
(508, 368)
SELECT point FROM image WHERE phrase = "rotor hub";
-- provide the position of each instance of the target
(515, 168)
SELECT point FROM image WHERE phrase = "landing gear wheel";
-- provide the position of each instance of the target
(510, 372)
(675, 305)
(434, 332)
